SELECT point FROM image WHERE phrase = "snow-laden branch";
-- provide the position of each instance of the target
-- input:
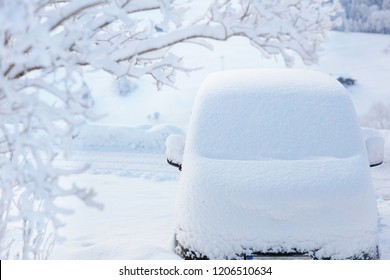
(72, 9)
(274, 27)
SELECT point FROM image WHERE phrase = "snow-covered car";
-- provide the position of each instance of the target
(274, 164)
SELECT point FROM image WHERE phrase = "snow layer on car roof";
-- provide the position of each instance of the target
(273, 114)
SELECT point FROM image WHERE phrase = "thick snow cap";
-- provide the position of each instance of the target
(275, 162)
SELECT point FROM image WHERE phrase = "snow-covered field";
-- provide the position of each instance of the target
(126, 151)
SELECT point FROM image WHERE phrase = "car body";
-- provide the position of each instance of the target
(274, 163)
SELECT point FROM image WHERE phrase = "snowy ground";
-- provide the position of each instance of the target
(138, 216)
(130, 174)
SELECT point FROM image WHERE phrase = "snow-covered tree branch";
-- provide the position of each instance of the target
(47, 45)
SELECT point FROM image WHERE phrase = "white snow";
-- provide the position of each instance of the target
(360, 56)
(274, 161)
(273, 113)
(139, 190)
(137, 221)
(141, 138)
(227, 207)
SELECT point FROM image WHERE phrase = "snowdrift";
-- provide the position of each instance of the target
(121, 138)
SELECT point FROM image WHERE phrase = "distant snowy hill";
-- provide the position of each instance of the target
(360, 56)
